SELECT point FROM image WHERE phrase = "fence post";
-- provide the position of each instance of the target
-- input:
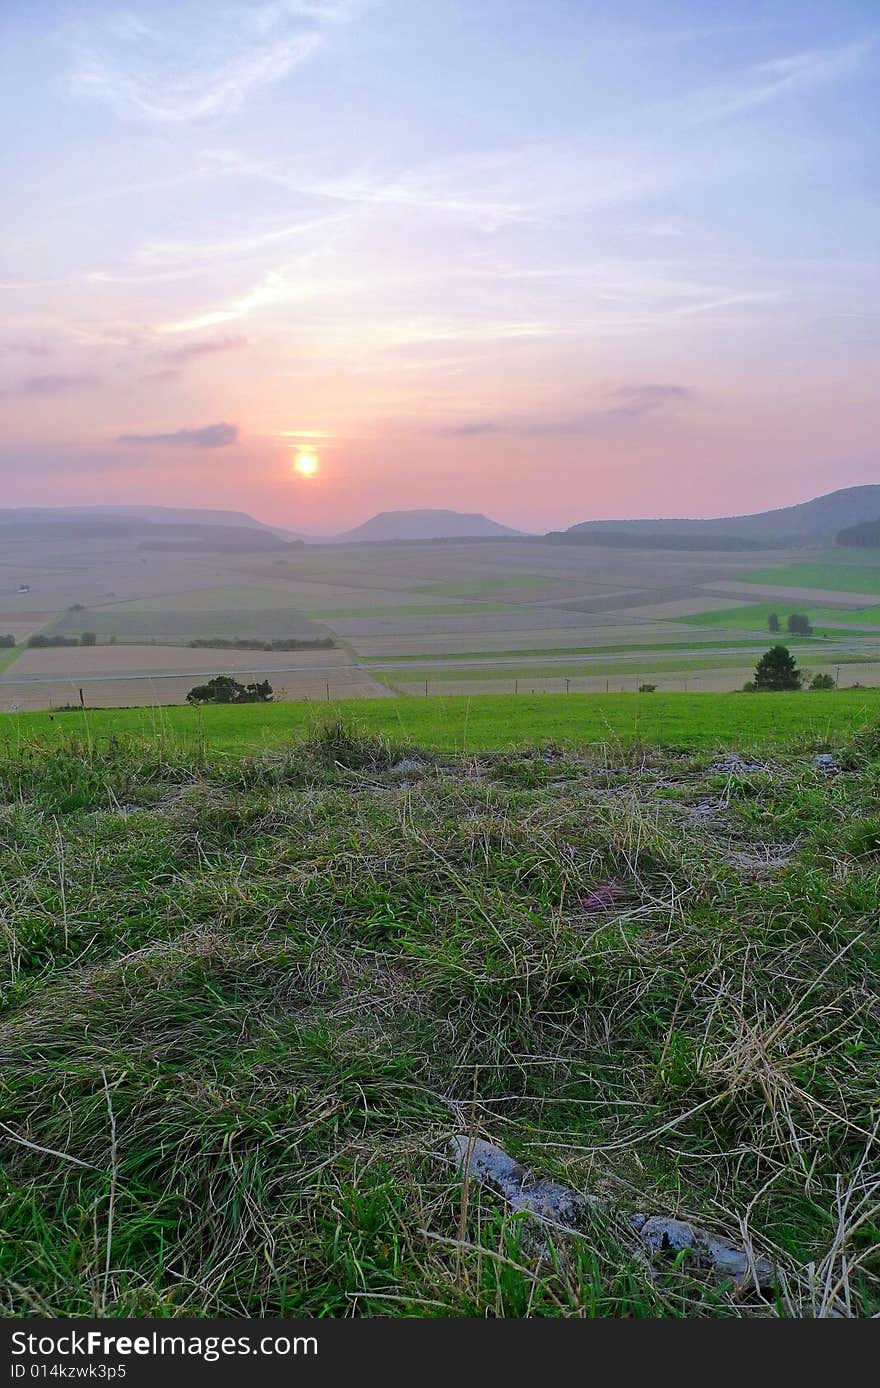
(426, 689)
(516, 686)
(567, 685)
(328, 693)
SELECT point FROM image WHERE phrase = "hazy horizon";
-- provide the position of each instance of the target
(330, 533)
(548, 262)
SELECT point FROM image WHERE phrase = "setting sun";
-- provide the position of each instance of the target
(306, 464)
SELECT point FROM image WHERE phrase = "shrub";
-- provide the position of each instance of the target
(823, 682)
(250, 643)
(40, 640)
(776, 670)
(223, 689)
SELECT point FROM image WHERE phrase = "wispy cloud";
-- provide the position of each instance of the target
(209, 436)
(624, 403)
(176, 100)
(238, 248)
(156, 73)
(276, 287)
(41, 387)
(778, 78)
(264, 17)
(525, 184)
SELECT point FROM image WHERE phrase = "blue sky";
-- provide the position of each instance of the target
(550, 260)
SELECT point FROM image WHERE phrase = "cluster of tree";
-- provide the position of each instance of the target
(7, 642)
(864, 536)
(88, 638)
(798, 623)
(777, 670)
(214, 539)
(629, 539)
(223, 689)
(253, 643)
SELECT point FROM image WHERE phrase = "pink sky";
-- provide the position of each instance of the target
(547, 266)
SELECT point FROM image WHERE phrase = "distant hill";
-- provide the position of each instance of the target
(158, 515)
(177, 538)
(425, 525)
(95, 521)
(163, 515)
(810, 521)
(649, 539)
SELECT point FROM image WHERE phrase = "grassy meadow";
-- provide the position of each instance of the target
(843, 572)
(459, 723)
(260, 964)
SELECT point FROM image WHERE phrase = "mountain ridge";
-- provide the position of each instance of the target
(820, 518)
(427, 524)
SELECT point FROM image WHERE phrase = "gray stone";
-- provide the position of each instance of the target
(735, 765)
(552, 1202)
(547, 1199)
(824, 761)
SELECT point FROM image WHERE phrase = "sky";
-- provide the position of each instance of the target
(552, 260)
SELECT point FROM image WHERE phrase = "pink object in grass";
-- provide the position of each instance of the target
(601, 898)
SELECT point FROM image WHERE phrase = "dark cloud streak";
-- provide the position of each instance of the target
(40, 387)
(209, 436)
(209, 348)
(627, 402)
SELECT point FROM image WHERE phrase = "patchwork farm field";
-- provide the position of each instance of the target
(270, 973)
(83, 661)
(396, 612)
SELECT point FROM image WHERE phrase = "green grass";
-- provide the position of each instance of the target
(637, 642)
(478, 587)
(462, 722)
(865, 616)
(840, 577)
(756, 615)
(652, 663)
(247, 1000)
(8, 655)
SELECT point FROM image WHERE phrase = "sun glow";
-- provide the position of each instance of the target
(305, 463)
